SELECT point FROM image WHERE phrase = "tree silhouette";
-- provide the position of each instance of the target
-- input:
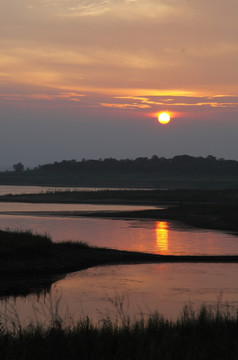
(19, 167)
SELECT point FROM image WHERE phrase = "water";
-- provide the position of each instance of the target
(159, 237)
(142, 288)
(148, 287)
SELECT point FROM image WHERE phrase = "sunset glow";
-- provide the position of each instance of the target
(91, 69)
(115, 115)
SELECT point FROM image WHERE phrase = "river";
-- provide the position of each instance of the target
(141, 288)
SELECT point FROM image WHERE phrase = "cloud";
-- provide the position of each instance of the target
(102, 69)
(120, 45)
(125, 106)
(178, 103)
(45, 100)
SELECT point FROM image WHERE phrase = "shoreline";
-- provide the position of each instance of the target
(210, 216)
(22, 276)
(208, 209)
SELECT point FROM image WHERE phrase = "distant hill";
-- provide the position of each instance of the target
(182, 171)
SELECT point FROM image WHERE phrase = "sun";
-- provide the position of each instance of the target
(164, 118)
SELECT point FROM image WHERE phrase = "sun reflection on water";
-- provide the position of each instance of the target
(161, 229)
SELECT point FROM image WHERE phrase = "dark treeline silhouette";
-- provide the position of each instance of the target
(181, 164)
(178, 172)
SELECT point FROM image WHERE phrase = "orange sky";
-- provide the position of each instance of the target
(126, 58)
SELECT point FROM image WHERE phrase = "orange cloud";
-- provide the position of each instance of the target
(125, 106)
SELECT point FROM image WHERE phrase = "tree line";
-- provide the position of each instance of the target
(178, 165)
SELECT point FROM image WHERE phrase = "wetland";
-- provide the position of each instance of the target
(132, 233)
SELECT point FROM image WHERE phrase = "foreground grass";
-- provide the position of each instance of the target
(207, 334)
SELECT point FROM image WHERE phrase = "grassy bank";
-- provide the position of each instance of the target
(206, 334)
(29, 262)
(20, 244)
(23, 252)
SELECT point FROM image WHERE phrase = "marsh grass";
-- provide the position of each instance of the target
(75, 245)
(26, 241)
(206, 333)
(16, 243)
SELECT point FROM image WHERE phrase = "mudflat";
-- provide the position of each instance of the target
(211, 209)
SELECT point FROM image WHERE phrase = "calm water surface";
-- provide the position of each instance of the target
(159, 237)
(141, 288)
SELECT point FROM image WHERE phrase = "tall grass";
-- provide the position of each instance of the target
(26, 242)
(209, 333)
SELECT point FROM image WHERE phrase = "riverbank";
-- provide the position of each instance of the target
(31, 262)
(222, 217)
(210, 209)
(25, 253)
(207, 216)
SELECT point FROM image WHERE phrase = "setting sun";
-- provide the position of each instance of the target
(164, 118)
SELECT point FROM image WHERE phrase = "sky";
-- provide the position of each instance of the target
(87, 79)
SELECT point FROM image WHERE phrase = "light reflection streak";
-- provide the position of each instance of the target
(161, 229)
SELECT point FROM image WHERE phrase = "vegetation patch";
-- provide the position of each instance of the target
(210, 333)
(23, 244)
(75, 245)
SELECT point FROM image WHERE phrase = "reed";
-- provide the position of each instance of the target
(209, 333)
